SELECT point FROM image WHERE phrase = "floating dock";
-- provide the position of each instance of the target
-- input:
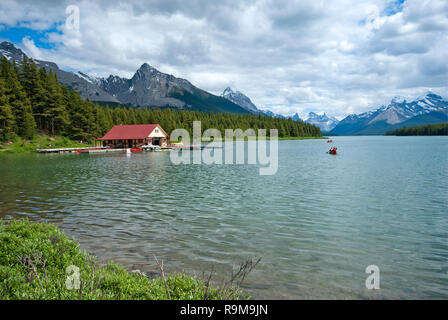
(197, 147)
(122, 150)
(102, 150)
(63, 150)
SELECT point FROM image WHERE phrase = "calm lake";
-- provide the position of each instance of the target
(317, 223)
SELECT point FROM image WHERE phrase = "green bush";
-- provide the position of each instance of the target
(34, 258)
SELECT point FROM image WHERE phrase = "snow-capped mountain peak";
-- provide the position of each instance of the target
(398, 99)
(228, 92)
(88, 78)
(10, 52)
(240, 99)
(398, 111)
(324, 122)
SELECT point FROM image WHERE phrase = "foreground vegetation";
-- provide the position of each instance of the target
(32, 100)
(34, 258)
(440, 129)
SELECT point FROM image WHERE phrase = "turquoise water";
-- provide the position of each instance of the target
(318, 223)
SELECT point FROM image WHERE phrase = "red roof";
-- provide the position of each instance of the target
(125, 132)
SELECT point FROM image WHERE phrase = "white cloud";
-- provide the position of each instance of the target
(31, 48)
(289, 56)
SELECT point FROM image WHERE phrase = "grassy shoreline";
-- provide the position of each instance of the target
(40, 142)
(37, 259)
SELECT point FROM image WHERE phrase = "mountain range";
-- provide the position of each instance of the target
(151, 88)
(147, 88)
(294, 117)
(324, 122)
(397, 114)
(70, 79)
(245, 102)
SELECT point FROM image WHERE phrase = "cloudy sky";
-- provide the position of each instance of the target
(338, 57)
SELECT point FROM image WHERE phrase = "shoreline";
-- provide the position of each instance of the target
(40, 141)
(44, 257)
(267, 138)
(47, 142)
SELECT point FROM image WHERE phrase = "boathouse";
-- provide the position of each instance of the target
(135, 136)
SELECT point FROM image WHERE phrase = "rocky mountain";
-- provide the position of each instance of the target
(240, 99)
(79, 82)
(324, 122)
(294, 117)
(148, 87)
(431, 108)
(10, 52)
(244, 101)
(272, 114)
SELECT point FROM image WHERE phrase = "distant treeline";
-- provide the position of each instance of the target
(440, 129)
(32, 101)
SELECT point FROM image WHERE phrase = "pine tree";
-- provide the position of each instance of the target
(34, 83)
(6, 115)
(57, 112)
(24, 124)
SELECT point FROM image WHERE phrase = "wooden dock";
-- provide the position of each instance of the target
(63, 150)
(102, 150)
(123, 150)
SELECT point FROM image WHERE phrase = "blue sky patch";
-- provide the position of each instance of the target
(393, 7)
(16, 34)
